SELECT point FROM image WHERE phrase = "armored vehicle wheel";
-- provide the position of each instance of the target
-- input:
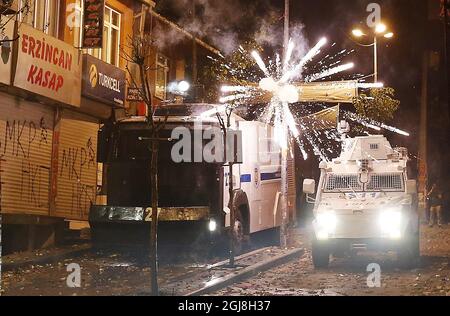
(320, 254)
(409, 254)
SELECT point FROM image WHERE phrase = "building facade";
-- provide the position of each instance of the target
(57, 86)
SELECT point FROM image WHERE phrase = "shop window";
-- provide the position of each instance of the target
(162, 71)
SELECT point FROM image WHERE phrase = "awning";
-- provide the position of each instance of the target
(323, 120)
(325, 92)
(329, 92)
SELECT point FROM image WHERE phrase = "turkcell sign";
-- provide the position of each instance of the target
(103, 82)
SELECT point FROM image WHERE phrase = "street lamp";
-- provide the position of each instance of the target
(380, 30)
(179, 87)
(357, 33)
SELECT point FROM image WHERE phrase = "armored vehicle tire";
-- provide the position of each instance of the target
(320, 254)
(409, 254)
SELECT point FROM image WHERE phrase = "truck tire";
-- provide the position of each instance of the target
(240, 237)
(320, 254)
(275, 239)
(409, 254)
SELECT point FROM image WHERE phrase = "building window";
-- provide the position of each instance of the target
(42, 15)
(77, 28)
(111, 35)
(162, 71)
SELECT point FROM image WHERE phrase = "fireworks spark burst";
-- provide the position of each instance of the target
(260, 63)
(329, 72)
(278, 83)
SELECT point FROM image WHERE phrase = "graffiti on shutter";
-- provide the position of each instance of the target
(26, 131)
(77, 167)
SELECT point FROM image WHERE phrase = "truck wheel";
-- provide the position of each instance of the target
(409, 254)
(276, 238)
(320, 254)
(239, 235)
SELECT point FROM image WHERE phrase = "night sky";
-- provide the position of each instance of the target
(400, 59)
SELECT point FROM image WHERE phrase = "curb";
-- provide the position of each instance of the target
(248, 272)
(9, 266)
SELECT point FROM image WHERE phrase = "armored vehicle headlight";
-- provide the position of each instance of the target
(212, 226)
(390, 223)
(326, 224)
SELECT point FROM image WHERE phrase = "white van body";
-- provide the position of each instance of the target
(259, 177)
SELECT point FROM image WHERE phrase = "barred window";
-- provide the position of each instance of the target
(388, 182)
(343, 182)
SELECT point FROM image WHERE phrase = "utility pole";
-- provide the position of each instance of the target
(286, 27)
(194, 49)
(446, 50)
(375, 59)
(285, 150)
(423, 135)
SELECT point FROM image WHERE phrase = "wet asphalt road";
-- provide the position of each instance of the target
(348, 276)
(119, 273)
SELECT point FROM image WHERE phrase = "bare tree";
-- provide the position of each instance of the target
(140, 50)
(225, 126)
(231, 155)
(7, 15)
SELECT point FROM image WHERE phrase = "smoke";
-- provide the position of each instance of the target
(215, 21)
(166, 36)
(272, 34)
(223, 23)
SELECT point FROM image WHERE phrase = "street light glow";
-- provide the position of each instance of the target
(380, 28)
(358, 33)
(389, 35)
(183, 86)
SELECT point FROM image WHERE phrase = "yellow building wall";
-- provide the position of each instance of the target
(125, 7)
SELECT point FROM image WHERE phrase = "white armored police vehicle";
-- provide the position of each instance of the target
(365, 201)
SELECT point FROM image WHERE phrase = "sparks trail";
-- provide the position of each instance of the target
(378, 126)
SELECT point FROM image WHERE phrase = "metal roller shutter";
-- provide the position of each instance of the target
(26, 135)
(77, 166)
